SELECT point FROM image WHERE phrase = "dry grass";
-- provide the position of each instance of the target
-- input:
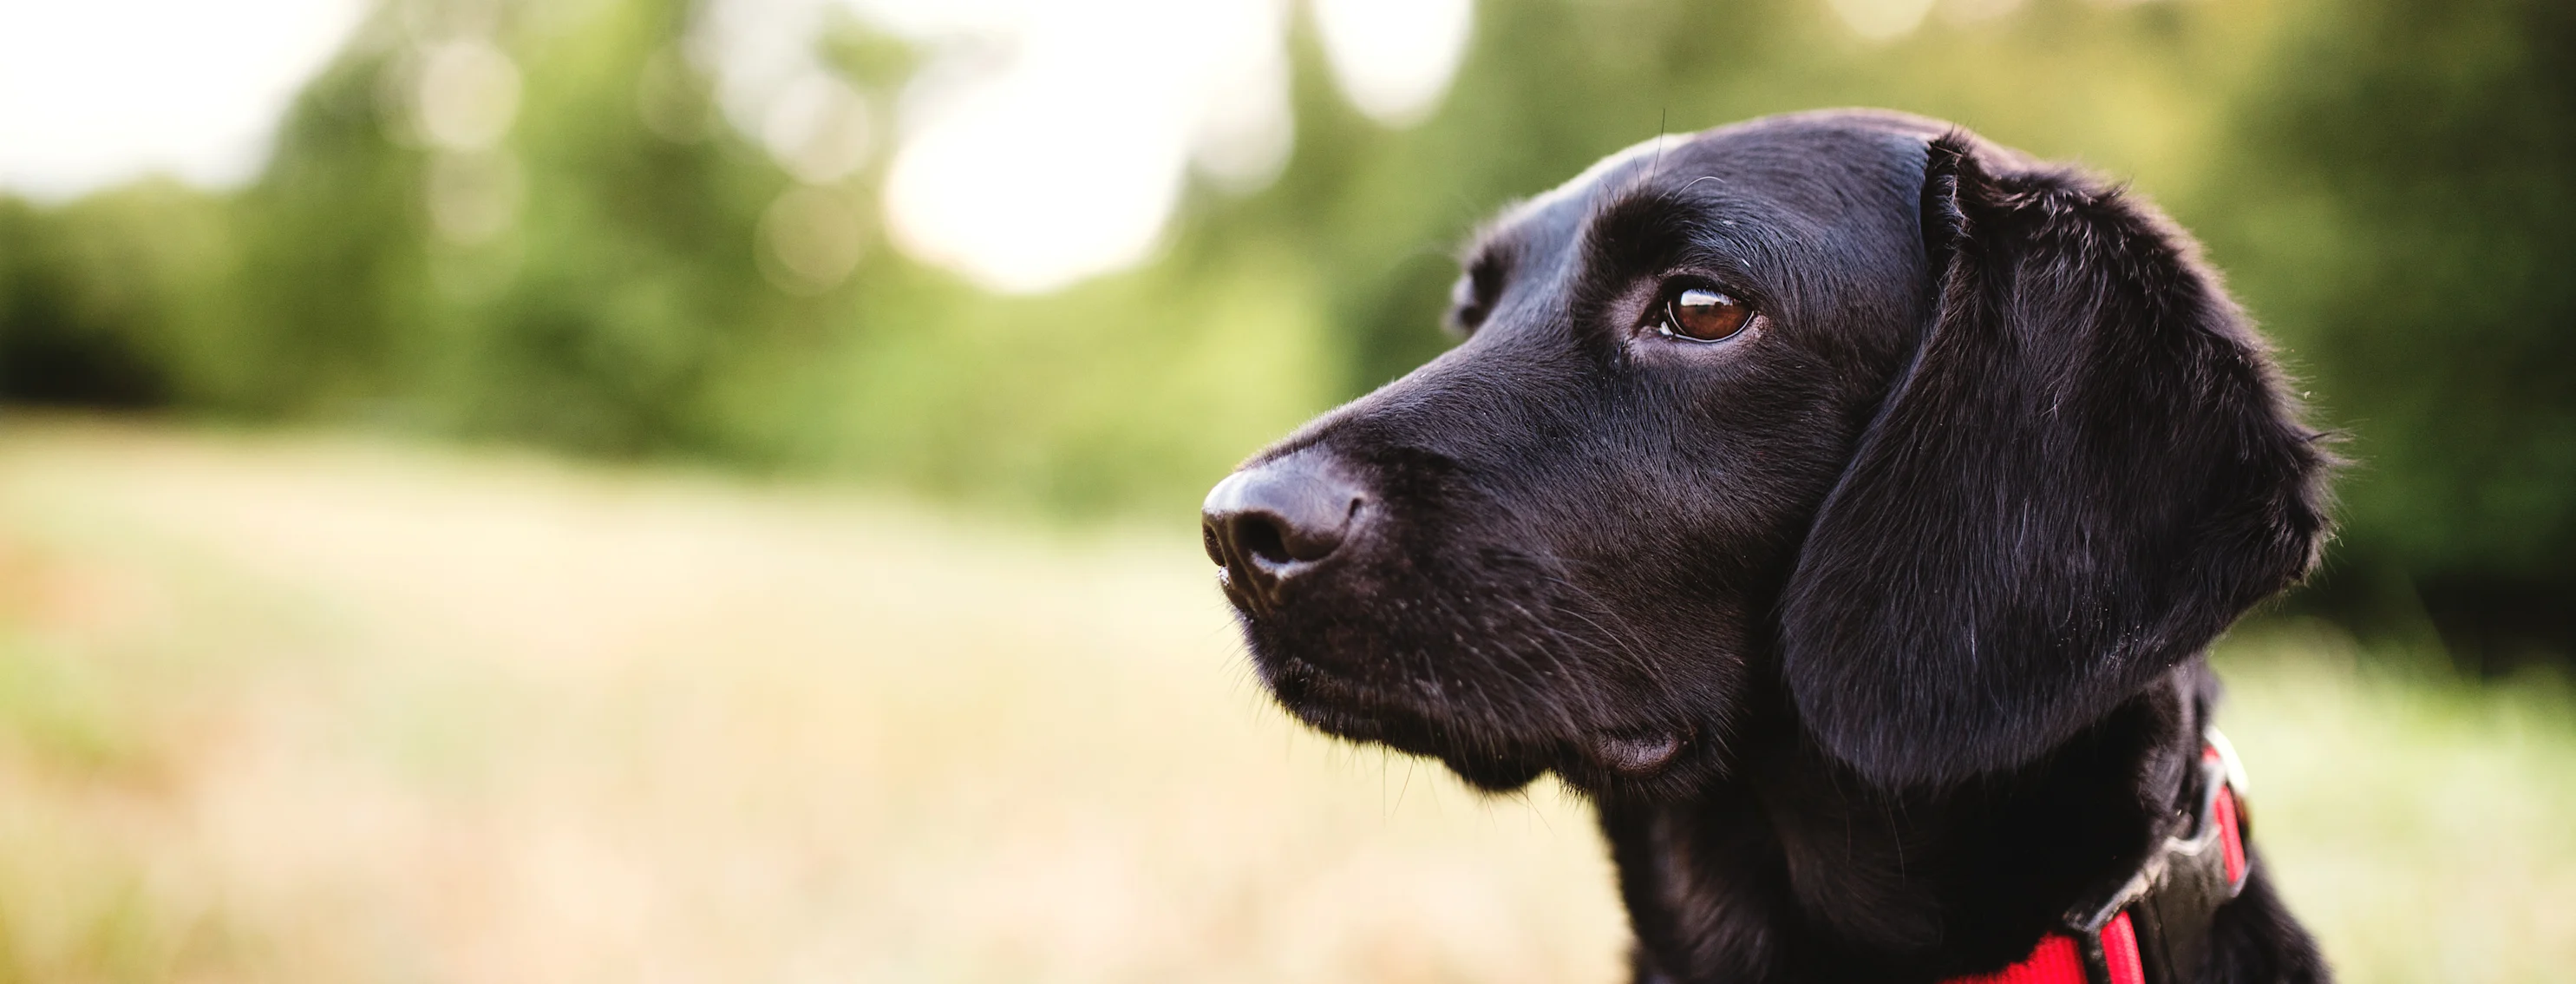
(294, 710)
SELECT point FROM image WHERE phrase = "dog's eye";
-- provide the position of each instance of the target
(1703, 315)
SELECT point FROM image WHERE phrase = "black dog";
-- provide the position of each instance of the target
(1844, 504)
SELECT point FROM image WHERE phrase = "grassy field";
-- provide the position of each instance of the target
(309, 710)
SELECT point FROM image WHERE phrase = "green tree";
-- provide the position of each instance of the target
(2401, 209)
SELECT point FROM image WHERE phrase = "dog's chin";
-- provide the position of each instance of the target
(1494, 775)
(1628, 763)
(1362, 713)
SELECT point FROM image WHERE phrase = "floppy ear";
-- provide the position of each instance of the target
(2085, 474)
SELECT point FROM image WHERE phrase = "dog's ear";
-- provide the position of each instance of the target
(2087, 471)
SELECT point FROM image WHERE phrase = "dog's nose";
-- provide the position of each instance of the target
(1269, 523)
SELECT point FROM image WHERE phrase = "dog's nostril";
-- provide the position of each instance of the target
(1261, 539)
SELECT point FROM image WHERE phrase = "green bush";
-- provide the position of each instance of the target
(2401, 209)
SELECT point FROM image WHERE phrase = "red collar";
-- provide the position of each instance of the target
(2172, 896)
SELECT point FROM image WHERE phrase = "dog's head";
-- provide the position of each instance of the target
(1848, 419)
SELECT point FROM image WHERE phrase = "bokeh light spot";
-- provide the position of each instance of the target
(1394, 57)
(1881, 20)
(468, 94)
(810, 240)
(818, 128)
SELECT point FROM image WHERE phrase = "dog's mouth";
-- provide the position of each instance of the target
(1646, 758)
(1353, 709)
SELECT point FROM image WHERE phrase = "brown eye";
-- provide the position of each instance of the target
(1703, 315)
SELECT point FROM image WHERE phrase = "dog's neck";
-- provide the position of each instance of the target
(1793, 868)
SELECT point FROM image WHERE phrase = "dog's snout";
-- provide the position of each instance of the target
(1268, 524)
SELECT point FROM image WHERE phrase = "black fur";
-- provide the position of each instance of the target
(1874, 631)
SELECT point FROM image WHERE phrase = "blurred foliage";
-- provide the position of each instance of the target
(2388, 182)
(2404, 217)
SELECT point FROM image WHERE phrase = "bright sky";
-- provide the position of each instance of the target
(1047, 140)
(96, 92)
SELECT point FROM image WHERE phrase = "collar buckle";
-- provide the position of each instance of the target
(2171, 898)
